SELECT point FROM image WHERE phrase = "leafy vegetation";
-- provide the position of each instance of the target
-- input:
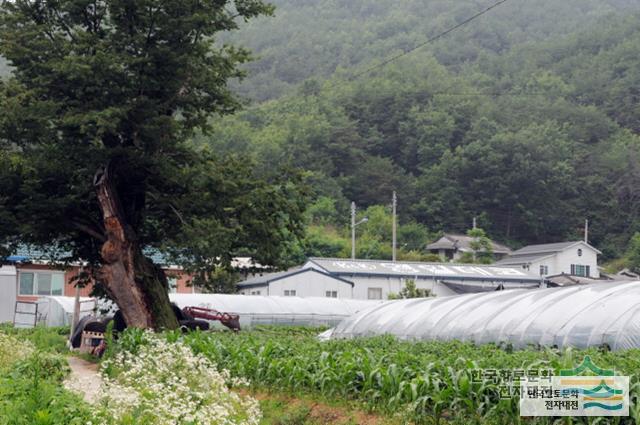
(153, 381)
(410, 290)
(31, 390)
(398, 381)
(425, 382)
(147, 381)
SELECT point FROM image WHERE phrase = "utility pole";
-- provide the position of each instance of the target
(586, 231)
(394, 228)
(353, 230)
(474, 223)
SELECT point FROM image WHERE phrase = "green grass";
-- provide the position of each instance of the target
(44, 339)
(31, 393)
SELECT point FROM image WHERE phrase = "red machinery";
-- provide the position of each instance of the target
(231, 321)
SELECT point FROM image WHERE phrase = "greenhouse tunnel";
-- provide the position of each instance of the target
(603, 314)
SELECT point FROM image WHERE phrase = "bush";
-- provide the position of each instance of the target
(152, 381)
(31, 391)
(12, 350)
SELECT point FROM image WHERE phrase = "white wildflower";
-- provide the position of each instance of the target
(165, 383)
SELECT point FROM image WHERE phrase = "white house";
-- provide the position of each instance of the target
(303, 282)
(451, 247)
(571, 258)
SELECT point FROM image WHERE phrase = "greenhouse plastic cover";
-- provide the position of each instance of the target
(261, 310)
(579, 316)
(56, 310)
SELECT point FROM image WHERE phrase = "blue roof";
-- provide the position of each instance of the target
(17, 259)
(29, 253)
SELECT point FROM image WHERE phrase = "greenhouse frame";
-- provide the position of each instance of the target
(603, 314)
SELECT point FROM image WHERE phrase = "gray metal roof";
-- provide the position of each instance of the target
(549, 248)
(463, 243)
(267, 278)
(522, 259)
(347, 267)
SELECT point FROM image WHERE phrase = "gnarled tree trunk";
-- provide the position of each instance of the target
(135, 284)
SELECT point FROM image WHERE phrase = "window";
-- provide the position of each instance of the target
(255, 292)
(289, 293)
(41, 283)
(580, 270)
(173, 284)
(544, 270)
(579, 252)
(331, 294)
(374, 293)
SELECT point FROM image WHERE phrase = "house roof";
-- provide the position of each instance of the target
(522, 259)
(463, 243)
(32, 254)
(267, 278)
(532, 253)
(411, 269)
(550, 248)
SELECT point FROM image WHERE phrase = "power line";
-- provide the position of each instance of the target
(488, 94)
(429, 41)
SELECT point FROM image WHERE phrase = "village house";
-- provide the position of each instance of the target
(452, 247)
(575, 258)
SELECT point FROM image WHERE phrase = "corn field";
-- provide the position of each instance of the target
(419, 382)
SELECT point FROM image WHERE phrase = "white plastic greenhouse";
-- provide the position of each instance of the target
(579, 316)
(257, 310)
(52, 311)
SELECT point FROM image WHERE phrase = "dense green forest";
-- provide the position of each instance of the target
(527, 118)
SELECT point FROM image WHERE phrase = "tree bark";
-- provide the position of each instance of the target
(134, 283)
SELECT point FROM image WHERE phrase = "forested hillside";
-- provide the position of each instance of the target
(527, 118)
(314, 38)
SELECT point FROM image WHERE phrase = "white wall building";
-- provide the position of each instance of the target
(572, 258)
(304, 282)
(376, 280)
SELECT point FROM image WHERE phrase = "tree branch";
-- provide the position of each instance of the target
(90, 231)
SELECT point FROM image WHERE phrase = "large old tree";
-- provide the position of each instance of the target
(95, 157)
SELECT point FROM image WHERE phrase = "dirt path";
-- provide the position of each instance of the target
(84, 378)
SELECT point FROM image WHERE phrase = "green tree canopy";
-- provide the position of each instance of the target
(95, 152)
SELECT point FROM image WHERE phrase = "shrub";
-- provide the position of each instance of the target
(149, 380)
(12, 350)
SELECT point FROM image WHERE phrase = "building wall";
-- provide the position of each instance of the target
(589, 257)
(389, 285)
(307, 284)
(69, 289)
(310, 284)
(262, 290)
(7, 293)
(561, 262)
